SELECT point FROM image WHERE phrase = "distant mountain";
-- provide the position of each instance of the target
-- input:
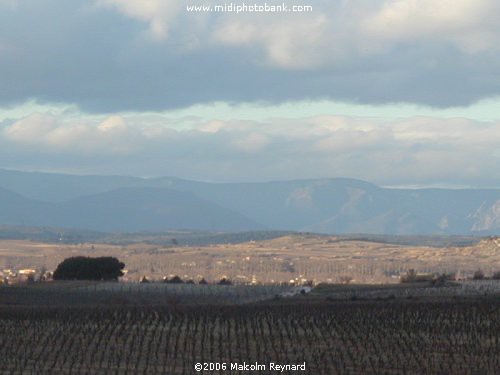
(18, 210)
(343, 205)
(124, 210)
(151, 209)
(53, 187)
(285, 205)
(337, 205)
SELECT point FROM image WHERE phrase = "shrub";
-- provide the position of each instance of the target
(174, 280)
(345, 279)
(411, 276)
(441, 279)
(478, 275)
(224, 281)
(87, 268)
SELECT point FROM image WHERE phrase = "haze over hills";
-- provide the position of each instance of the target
(338, 205)
(151, 209)
(124, 210)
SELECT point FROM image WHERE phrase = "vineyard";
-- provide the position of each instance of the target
(78, 293)
(456, 289)
(396, 337)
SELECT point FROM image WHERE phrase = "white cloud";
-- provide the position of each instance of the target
(288, 42)
(213, 126)
(30, 130)
(416, 150)
(251, 143)
(330, 34)
(113, 124)
(470, 25)
(46, 133)
(335, 34)
(159, 14)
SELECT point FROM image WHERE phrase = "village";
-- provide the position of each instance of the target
(23, 276)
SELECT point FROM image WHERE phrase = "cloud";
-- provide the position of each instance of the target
(30, 130)
(415, 150)
(251, 143)
(122, 55)
(469, 25)
(332, 35)
(159, 14)
(48, 134)
(291, 43)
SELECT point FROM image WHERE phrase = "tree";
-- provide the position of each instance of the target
(345, 279)
(410, 277)
(87, 268)
(224, 281)
(478, 275)
(174, 280)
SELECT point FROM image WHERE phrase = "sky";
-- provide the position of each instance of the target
(395, 92)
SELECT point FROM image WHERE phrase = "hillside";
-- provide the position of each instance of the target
(151, 209)
(293, 256)
(19, 210)
(337, 205)
(124, 210)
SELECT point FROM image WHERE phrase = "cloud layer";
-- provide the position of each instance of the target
(110, 55)
(413, 151)
(114, 68)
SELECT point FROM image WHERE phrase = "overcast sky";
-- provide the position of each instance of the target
(396, 92)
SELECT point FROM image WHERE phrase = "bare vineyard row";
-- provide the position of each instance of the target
(81, 293)
(374, 338)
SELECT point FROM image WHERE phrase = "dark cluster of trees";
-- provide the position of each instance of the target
(177, 280)
(479, 275)
(87, 268)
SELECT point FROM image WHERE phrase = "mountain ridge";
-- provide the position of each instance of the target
(328, 205)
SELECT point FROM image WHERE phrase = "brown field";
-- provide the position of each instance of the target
(299, 257)
(399, 337)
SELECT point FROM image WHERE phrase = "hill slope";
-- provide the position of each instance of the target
(151, 209)
(124, 210)
(337, 205)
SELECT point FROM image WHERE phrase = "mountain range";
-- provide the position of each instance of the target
(336, 205)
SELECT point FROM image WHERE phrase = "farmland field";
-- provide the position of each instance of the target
(86, 293)
(82, 327)
(292, 257)
(384, 337)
